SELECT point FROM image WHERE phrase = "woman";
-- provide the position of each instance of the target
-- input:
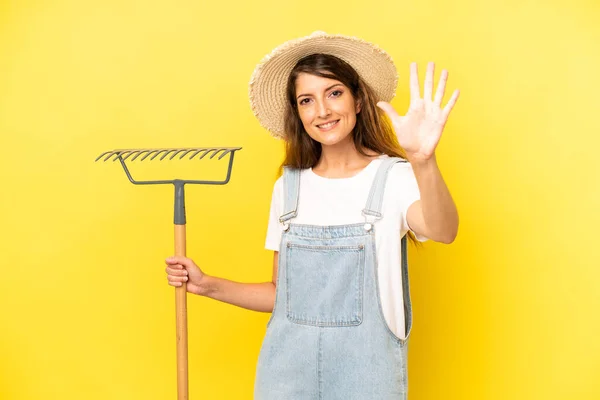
(353, 187)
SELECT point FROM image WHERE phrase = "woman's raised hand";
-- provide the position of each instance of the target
(420, 130)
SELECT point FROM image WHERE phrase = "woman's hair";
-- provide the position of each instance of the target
(372, 131)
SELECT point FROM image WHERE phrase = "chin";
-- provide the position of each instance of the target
(330, 142)
(330, 139)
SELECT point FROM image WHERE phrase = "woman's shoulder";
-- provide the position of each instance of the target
(401, 165)
(278, 183)
(401, 174)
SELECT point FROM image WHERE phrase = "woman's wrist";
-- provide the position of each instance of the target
(206, 286)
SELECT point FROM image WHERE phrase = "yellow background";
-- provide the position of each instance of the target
(509, 311)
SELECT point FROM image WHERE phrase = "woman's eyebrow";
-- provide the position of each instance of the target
(329, 88)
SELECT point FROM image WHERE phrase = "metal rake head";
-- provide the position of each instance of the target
(132, 154)
(124, 154)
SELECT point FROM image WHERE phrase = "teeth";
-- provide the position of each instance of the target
(327, 125)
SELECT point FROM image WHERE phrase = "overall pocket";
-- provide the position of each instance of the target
(325, 284)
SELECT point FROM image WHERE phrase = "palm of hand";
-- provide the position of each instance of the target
(420, 130)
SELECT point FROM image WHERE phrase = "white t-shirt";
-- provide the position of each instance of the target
(340, 201)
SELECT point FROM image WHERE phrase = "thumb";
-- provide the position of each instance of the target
(389, 110)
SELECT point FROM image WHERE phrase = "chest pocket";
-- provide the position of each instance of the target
(325, 284)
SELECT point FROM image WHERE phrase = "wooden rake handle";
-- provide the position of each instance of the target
(181, 321)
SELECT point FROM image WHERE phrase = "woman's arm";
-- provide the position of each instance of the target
(252, 296)
(419, 132)
(435, 215)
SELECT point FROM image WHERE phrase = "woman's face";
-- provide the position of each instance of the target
(326, 107)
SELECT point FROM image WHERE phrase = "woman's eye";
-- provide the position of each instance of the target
(336, 93)
(303, 101)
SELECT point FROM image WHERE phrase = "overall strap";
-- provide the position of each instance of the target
(405, 286)
(373, 209)
(291, 192)
(375, 199)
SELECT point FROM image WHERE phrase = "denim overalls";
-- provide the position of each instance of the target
(327, 337)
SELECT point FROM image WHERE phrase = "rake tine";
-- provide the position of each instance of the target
(205, 153)
(184, 154)
(129, 154)
(158, 151)
(194, 155)
(149, 153)
(216, 151)
(167, 153)
(175, 154)
(139, 154)
(100, 156)
(227, 151)
(115, 153)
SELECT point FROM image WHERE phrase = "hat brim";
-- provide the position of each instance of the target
(267, 89)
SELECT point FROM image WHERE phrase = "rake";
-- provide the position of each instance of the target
(131, 155)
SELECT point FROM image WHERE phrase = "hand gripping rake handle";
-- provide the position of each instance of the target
(180, 236)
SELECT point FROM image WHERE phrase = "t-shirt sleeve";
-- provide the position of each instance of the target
(409, 194)
(275, 229)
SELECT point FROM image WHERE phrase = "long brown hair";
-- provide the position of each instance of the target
(373, 130)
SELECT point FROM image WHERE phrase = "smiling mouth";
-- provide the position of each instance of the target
(328, 125)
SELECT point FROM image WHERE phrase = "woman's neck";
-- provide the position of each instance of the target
(342, 161)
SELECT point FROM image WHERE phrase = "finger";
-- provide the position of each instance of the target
(176, 272)
(441, 89)
(177, 279)
(451, 103)
(389, 110)
(175, 266)
(184, 261)
(176, 284)
(414, 83)
(428, 88)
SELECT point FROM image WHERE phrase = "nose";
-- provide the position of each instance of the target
(323, 109)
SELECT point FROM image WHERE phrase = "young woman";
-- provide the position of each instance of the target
(353, 188)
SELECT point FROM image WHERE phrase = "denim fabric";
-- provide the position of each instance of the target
(327, 337)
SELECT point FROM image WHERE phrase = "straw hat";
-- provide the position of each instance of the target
(269, 79)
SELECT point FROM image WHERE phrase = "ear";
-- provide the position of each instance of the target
(358, 106)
